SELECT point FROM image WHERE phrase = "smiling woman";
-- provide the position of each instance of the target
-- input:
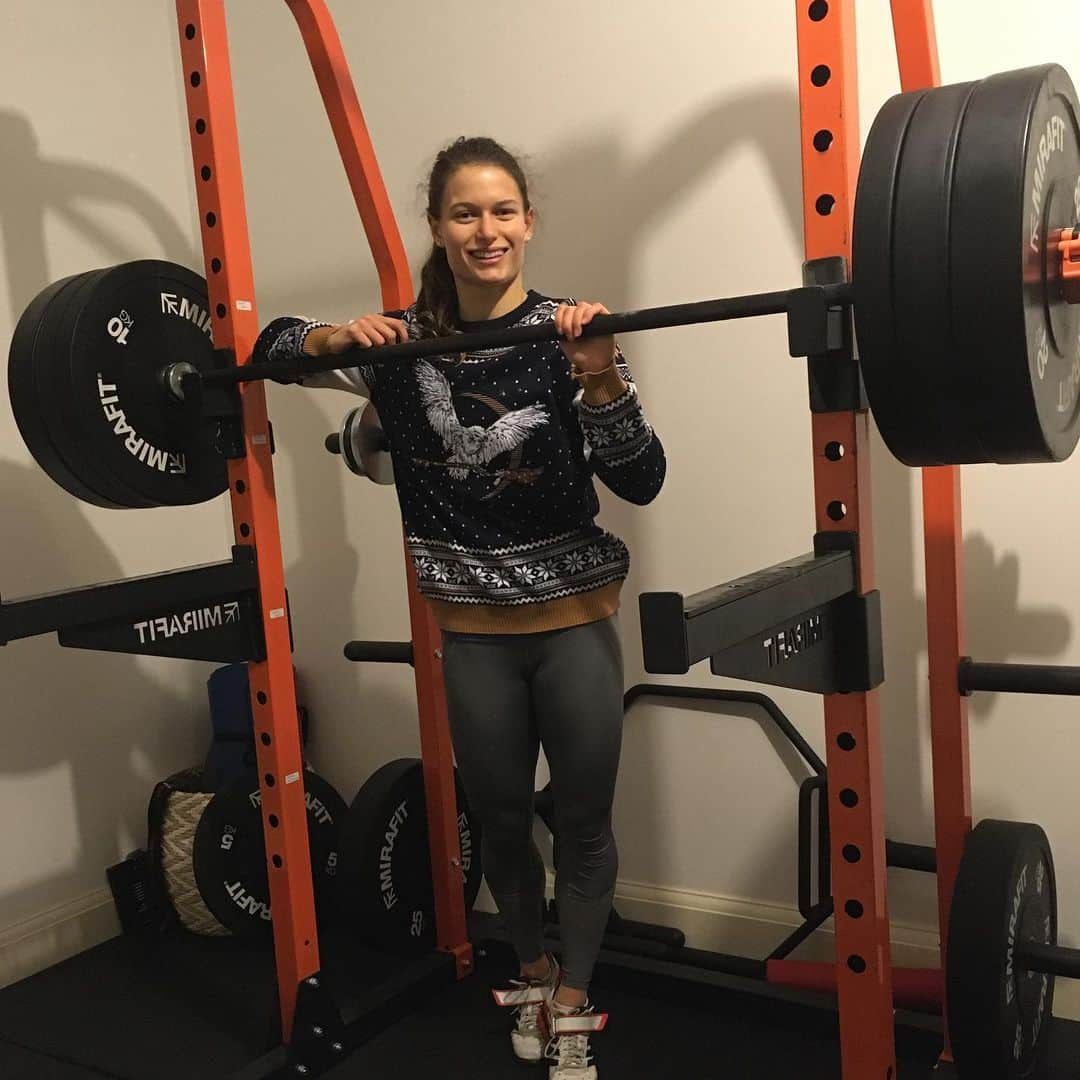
(481, 220)
(494, 454)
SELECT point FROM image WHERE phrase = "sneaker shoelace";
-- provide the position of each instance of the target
(527, 1015)
(570, 1051)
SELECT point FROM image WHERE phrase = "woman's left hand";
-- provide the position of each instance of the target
(585, 354)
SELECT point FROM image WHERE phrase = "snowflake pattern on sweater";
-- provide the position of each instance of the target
(494, 456)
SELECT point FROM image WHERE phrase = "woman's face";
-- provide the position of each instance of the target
(483, 226)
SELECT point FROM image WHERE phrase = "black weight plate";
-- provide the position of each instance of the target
(31, 417)
(134, 321)
(1005, 895)
(22, 389)
(229, 852)
(62, 418)
(386, 892)
(893, 394)
(937, 425)
(1016, 186)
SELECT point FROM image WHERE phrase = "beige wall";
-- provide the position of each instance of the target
(663, 143)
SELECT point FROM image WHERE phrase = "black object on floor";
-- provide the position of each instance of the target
(709, 1034)
(19, 1064)
(189, 1008)
(180, 1006)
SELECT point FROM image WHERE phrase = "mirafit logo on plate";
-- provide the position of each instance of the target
(165, 461)
(119, 327)
(181, 306)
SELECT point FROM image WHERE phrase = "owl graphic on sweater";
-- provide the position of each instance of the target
(472, 446)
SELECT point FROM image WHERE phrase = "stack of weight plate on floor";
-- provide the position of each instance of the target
(208, 848)
(84, 375)
(370, 862)
(968, 348)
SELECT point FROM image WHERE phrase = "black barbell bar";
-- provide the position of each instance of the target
(1048, 959)
(379, 652)
(903, 856)
(1018, 678)
(703, 311)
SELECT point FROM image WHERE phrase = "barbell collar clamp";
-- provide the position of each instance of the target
(1069, 249)
(173, 376)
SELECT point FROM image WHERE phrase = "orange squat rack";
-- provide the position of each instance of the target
(916, 51)
(227, 259)
(828, 97)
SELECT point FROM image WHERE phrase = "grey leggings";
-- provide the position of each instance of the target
(507, 695)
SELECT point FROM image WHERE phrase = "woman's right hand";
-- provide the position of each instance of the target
(363, 332)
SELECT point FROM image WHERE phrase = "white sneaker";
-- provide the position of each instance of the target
(568, 1045)
(528, 998)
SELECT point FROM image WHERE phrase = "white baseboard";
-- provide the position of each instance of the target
(718, 923)
(752, 928)
(34, 944)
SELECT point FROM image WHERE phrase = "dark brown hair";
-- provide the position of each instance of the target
(437, 304)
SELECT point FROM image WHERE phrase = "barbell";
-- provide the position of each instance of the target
(966, 274)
